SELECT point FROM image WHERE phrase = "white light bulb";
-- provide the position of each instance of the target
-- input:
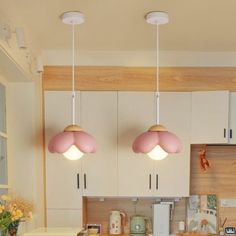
(157, 153)
(73, 153)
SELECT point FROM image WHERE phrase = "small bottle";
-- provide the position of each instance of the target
(181, 227)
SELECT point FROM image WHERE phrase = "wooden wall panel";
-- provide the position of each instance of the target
(219, 179)
(99, 212)
(120, 78)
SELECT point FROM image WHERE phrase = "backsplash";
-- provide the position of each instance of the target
(219, 179)
(98, 212)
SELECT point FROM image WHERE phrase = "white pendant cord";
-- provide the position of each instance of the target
(73, 74)
(157, 78)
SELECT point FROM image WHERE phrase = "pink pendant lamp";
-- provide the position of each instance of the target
(157, 142)
(72, 142)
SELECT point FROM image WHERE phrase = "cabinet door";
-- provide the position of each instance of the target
(210, 117)
(62, 175)
(99, 118)
(136, 114)
(172, 174)
(232, 118)
(64, 218)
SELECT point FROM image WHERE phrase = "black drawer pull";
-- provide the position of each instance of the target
(85, 182)
(224, 133)
(150, 181)
(156, 182)
(78, 181)
(231, 133)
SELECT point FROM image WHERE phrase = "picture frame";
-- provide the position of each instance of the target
(95, 226)
(202, 214)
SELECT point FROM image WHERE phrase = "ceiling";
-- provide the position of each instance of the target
(119, 25)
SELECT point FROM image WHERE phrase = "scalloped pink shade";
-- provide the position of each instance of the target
(61, 142)
(146, 141)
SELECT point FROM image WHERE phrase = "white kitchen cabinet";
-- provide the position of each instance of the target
(115, 120)
(135, 115)
(95, 173)
(172, 174)
(138, 174)
(213, 117)
(232, 118)
(99, 118)
(64, 218)
(63, 177)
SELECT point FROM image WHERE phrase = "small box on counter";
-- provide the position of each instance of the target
(94, 229)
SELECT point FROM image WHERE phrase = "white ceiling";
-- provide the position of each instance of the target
(195, 25)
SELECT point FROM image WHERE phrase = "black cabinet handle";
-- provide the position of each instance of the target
(156, 181)
(85, 182)
(231, 133)
(224, 133)
(78, 181)
(150, 181)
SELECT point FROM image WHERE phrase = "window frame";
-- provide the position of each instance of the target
(4, 134)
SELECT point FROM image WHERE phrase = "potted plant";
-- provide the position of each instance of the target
(12, 212)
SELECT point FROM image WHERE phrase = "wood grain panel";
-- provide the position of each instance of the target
(107, 78)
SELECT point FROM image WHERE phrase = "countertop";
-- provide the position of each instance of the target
(54, 232)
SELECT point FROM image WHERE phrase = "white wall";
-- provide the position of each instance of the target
(25, 146)
(24, 59)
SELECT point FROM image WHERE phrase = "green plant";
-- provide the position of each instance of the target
(12, 212)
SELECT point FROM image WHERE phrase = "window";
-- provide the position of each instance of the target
(3, 139)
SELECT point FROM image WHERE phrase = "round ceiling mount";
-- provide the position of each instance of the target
(157, 18)
(72, 17)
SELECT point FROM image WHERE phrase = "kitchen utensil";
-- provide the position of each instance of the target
(138, 224)
(115, 222)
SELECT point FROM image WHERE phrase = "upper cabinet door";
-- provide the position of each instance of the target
(210, 116)
(63, 177)
(232, 118)
(99, 118)
(172, 174)
(136, 113)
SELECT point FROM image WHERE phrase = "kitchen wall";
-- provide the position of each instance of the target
(219, 179)
(16, 64)
(24, 109)
(98, 211)
(25, 147)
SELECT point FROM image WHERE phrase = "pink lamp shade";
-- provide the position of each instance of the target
(157, 136)
(63, 141)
